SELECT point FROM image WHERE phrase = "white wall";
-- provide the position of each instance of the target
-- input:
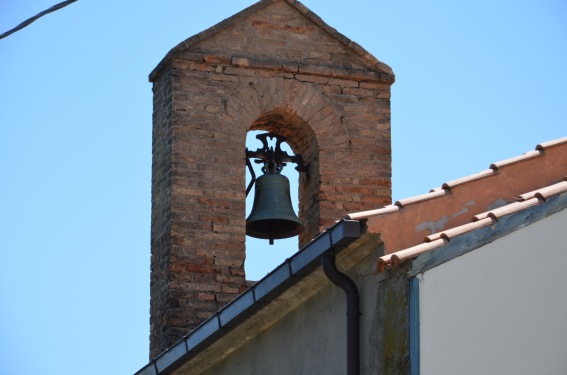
(500, 309)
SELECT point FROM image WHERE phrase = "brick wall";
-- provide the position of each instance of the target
(274, 67)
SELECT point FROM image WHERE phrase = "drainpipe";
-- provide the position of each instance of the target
(353, 313)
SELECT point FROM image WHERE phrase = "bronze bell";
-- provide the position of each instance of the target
(272, 215)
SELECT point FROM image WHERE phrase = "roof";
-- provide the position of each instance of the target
(514, 193)
(450, 208)
(350, 45)
(490, 218)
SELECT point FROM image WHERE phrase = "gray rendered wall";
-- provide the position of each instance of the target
(499, 309)
(311, 339)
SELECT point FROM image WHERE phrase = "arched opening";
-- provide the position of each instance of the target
(260, 256)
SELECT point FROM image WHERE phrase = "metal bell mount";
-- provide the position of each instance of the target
(272, 216)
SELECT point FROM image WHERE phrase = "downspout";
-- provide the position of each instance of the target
(353, 312)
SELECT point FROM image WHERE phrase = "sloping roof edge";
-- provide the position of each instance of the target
(484, 228)
(405, 223)
(293, 270)
(445, 188)
(298, 6)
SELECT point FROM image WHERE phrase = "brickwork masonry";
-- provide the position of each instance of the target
(273, 70)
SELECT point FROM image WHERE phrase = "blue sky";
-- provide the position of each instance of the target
(476, 82)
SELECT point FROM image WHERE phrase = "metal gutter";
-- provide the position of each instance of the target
(293, 270)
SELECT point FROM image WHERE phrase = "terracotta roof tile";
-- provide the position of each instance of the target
(545, 193)
(510, 209)
(420, 198)
(405, 223)
(555, 142)
(414, 251)
(517, 159)
(481, 220)
(480, 216)
(380, 211)
(384, 263)
(391, 260)
(466, 179)
(453, 232)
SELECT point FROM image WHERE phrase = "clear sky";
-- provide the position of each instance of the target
(476, 82)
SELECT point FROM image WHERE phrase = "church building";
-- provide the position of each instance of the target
(462, 279)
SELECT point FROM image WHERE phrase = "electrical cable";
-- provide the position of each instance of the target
(30, 20)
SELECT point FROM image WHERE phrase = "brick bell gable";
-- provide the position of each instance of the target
(275, 66)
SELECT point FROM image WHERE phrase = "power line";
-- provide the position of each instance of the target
(30, 20)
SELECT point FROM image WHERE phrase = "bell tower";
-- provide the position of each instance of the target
(274, 66)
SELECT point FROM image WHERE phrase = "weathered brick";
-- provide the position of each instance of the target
(273, 70)
(206, 296)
